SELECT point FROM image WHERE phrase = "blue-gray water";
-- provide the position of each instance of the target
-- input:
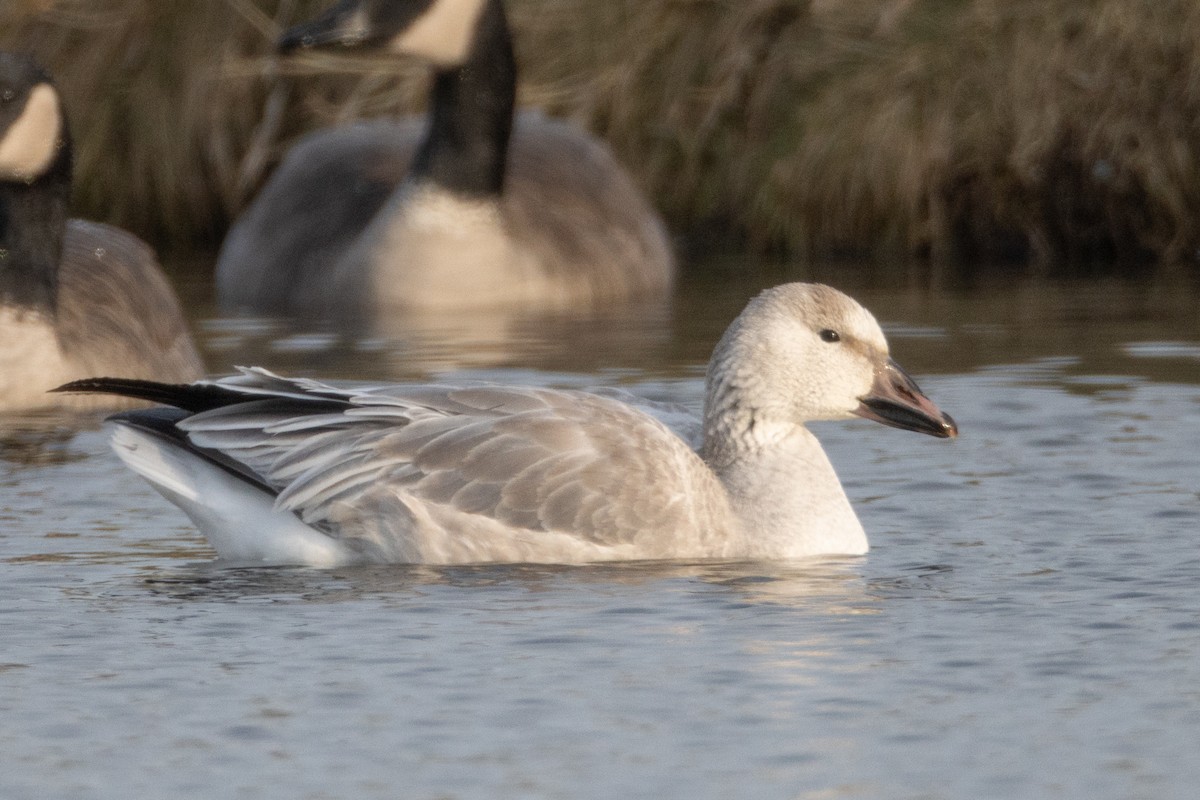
(1026, 625)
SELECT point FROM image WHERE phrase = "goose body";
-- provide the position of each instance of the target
(77, 298)
(295, 471)
(468, 208)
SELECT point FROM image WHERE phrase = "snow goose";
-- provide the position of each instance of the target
(293, 471)
(76, 298)
(470, 208)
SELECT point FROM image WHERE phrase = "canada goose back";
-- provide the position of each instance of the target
(142, 332)
(279, 256)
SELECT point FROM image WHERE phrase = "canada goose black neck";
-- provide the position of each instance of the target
(32, 220)
(33, 211)
(465, 147)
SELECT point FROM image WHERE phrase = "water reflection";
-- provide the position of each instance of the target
(1028, 608)
(1144, 328)
(833, 583)
(414, 345)
(40, 438)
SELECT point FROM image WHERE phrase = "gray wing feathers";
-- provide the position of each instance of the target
(533, 460)
(681, 420)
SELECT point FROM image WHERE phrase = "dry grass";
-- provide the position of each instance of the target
(954, 130)
(160, 118)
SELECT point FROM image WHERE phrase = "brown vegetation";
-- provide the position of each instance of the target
(958, 130)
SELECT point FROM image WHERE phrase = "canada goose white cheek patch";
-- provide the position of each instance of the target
(443, 34)
(30, 144)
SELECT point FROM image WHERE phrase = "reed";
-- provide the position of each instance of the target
(951, 131)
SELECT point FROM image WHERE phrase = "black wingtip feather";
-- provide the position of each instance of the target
(193, 397)
(163, 422)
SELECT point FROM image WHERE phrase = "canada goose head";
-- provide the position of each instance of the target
(803, 352)
(441, 32)
(472, 96)
(32, 128)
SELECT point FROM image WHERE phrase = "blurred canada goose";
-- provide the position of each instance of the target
(448, 212)
(294, 471)
(76, 298)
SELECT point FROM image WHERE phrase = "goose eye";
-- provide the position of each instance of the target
(7, 95)
(830, 335)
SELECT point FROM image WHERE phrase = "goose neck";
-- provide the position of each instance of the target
(788, 499)
(781, 486)
(465, 146)
(33, 218)
(739, 418)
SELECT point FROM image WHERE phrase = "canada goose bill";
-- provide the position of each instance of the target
(346, 23)
(295, 471)
(75, 297)
(440, 31)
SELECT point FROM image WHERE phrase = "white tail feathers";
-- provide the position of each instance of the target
(239, 520)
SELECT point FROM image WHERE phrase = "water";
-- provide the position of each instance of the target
(1026, 625)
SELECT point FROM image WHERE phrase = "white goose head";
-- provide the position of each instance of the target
(441, 32)
(803, 352)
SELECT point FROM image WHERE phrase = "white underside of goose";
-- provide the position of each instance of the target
(241, 523)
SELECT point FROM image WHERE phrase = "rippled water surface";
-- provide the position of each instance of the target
(1026, 625)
